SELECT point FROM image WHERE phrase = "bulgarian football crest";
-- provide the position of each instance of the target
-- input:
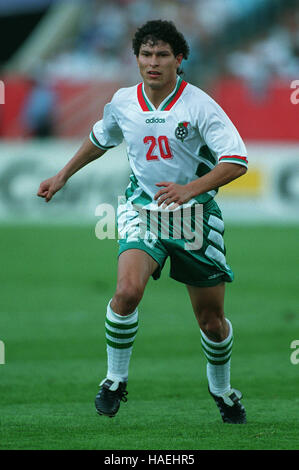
(181, 131)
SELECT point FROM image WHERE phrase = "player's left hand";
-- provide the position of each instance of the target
(172, 193)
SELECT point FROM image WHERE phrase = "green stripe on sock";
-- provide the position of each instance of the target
(119, 326)
(215, 346)
(119, 345)
(219, 363)
(120, 335)
(215, 354)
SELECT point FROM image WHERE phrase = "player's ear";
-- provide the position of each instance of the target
(179, 59)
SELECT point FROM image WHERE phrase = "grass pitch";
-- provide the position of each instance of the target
(55, 284)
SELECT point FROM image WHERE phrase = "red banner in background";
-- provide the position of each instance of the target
(264, 115)
(261, 115)
(16, 90)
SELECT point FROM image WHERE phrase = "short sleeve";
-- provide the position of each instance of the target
(220, 135)
(106, 133)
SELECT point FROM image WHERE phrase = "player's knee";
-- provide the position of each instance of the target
(127, 297)
(212, 324)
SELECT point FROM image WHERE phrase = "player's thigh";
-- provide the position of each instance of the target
(135, 267)
(134, 270)
(140, 254)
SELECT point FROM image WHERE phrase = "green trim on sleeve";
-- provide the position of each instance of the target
(95, 141)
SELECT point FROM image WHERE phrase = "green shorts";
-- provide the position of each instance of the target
(192, 238)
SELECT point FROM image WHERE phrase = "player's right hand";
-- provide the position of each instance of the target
(49, 187)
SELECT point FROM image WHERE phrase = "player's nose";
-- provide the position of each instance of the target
(154, 62)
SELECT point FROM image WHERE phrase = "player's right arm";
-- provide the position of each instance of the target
(105, 135)
(86, 154)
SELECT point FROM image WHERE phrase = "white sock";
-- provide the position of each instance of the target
(218, 366)
(120, 334)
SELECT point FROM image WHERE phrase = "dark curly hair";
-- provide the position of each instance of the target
(159, 30)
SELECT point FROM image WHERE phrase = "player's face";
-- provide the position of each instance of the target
(158, 65)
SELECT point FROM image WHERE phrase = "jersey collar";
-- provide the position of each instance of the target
(167, 103)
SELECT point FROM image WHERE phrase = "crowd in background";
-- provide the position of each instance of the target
(247, 39)
(102, 45)
(273, 54)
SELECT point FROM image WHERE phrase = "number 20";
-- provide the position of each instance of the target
(164, 147)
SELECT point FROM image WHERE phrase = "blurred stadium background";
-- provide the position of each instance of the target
(60, 62)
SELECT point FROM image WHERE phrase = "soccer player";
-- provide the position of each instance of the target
(181, 147)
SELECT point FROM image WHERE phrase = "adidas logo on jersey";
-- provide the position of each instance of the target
(155, 121)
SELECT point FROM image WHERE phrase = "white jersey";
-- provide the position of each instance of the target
(181, 140)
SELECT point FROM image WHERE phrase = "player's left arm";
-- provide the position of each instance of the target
(222, 174)
(225, 143)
